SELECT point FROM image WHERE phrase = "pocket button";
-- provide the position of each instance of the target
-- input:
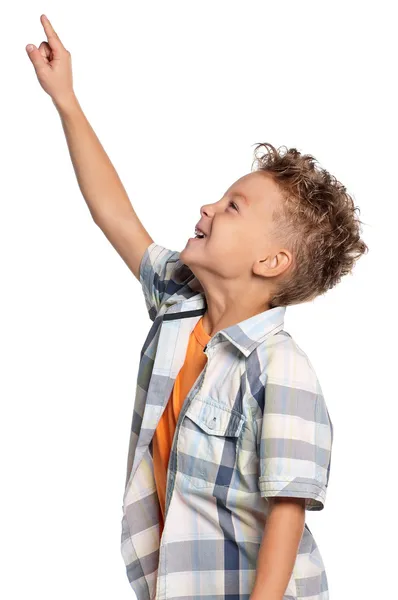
(212, 423)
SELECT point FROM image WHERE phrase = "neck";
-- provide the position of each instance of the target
(222, 312)
(231, 300)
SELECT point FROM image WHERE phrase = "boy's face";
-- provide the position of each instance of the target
(238, 228)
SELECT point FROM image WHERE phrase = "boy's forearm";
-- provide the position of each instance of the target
(281, 538)
(97, 178)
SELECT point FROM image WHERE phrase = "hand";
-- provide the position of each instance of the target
(53, 65)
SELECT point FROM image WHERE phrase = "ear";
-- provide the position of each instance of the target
(274, 264)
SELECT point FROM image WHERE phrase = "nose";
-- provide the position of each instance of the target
(207, 209)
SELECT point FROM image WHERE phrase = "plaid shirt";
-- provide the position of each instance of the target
(254, 425)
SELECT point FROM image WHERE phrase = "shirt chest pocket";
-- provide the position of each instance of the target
(208, 443)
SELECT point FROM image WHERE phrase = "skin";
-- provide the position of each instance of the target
(238, 285)
(53, 65)
(278, 551)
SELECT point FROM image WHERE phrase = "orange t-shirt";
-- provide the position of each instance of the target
(194, 363)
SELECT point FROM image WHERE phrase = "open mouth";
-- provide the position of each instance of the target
(199, 235)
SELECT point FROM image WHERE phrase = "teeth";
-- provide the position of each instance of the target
(199, 233)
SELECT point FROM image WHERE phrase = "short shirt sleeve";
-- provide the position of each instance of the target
(296, 431)
(162, 274)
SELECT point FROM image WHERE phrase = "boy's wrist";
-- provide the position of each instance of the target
(66, 104)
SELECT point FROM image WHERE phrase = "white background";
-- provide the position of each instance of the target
(178, 94)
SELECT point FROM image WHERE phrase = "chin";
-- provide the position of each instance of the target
(187, 256)
(184, 256)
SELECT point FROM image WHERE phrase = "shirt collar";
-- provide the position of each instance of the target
(248, 334)
(245, 335)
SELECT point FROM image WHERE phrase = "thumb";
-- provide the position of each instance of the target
(35, 57)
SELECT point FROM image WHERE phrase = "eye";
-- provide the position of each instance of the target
(234, 205)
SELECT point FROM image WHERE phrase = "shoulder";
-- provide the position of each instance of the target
(179, 275)
(165, 278)
(284, 362)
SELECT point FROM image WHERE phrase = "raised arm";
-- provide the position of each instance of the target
(98, 180)
(102, 189)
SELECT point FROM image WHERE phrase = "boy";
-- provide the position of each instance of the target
(231, 437)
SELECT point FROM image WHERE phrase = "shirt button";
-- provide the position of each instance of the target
(212, 423)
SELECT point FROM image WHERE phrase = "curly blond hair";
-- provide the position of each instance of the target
(317, 222)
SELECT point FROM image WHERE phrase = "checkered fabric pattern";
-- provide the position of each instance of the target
(254, 425)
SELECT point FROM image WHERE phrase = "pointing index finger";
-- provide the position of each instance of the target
(52, 36)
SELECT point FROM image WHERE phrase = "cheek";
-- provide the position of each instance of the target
(230, 235)
(233, 256)
(227, 245)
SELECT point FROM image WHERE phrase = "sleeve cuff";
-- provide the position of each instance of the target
(312, 490)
